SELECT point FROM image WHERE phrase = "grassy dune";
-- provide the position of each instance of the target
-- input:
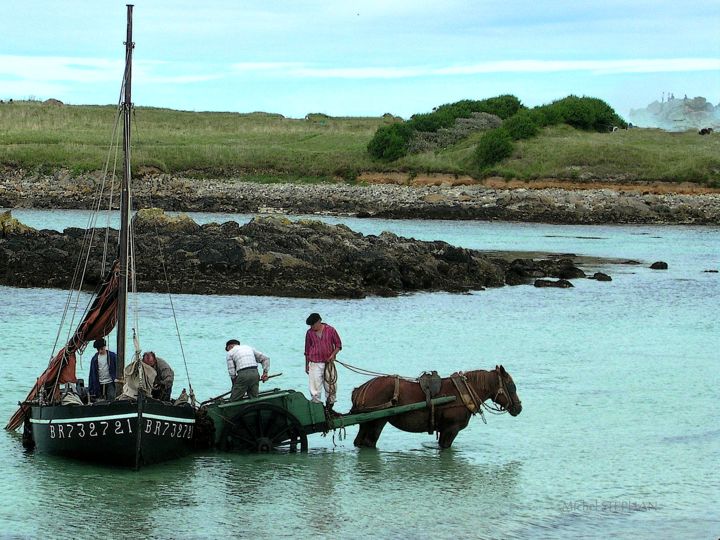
(566, 153)
(267, 147)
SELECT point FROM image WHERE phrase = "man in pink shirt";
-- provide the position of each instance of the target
(322, 343)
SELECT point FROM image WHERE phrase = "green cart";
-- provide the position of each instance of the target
(282, 419)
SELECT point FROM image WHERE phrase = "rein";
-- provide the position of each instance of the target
(369, 373)
(495, 407)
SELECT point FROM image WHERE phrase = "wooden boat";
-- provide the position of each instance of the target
(135, 429)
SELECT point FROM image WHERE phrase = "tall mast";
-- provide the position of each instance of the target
(125, 202)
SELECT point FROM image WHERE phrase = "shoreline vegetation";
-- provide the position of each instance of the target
(51, 155)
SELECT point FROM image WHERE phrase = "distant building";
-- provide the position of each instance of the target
(677, 114)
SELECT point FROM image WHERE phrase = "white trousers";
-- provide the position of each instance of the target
(317, 383)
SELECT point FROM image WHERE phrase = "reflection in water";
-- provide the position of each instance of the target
(85, 498)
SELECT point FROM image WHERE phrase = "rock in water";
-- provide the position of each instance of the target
(268, 256)
(560, 283)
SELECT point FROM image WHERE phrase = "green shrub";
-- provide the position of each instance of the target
(523, 125)
(493, 147)
(582, 113)
(432, 121)
(503, 106)
(390, 142)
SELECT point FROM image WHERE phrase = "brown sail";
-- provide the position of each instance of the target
(99, 322)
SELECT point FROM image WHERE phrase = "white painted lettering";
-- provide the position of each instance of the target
(93, 433)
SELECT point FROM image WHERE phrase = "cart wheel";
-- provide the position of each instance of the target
(264, 427)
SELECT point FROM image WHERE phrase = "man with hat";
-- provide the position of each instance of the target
(322, 343)
(102, 372)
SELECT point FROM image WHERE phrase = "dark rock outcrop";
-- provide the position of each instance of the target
(600, 276)
(659, 265)
(560, 283)
(267, 256)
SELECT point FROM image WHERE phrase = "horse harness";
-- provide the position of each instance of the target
(508, 390)
(393, 401)
(430, 383)
(467, 394)
(474, 404)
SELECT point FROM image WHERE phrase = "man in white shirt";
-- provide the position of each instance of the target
(242, 364)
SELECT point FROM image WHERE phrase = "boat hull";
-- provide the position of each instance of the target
(121, 433)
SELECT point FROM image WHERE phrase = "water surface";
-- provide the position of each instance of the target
(618, 436)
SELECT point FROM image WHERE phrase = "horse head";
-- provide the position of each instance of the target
(506, 393)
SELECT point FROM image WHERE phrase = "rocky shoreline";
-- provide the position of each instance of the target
(550, 205)
(273, 256)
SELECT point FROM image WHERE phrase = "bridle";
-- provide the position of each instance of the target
(508, 390)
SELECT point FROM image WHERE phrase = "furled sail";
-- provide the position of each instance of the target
(98, 322)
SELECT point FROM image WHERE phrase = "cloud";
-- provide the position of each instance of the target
(47, 69)
(598, 67)
(56, 68)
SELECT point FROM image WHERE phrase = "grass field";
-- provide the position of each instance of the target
(266, 147)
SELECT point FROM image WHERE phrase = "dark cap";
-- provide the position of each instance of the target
(99, 343)
(232, 342)
(312, 319)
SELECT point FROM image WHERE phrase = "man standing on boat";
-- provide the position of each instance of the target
(242, 364)
(101, 381)
(162, 387)
(322, 343)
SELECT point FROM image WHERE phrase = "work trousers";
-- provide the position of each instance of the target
(246, 380)
(107, 391)
(316, 376)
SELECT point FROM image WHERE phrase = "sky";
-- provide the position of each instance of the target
(360, 57)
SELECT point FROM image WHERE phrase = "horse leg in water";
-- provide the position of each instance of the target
(369, 433)
(447, 436)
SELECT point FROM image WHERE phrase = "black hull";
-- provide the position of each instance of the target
(122, 433)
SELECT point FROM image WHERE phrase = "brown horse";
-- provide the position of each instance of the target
(449, 418)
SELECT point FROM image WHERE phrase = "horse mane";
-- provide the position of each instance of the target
(482, 380)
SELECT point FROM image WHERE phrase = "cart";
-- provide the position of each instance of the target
(282, 420)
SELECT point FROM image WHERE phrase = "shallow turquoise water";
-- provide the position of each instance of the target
(618, 434)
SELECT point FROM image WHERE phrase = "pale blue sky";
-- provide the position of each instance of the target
(360, 57)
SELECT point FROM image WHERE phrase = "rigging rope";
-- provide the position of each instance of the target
(167, 284)
(86, 245)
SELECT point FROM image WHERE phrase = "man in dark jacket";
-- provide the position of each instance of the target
(162, 387)
(101, 380)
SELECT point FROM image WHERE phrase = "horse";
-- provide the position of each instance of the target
(471, 389)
